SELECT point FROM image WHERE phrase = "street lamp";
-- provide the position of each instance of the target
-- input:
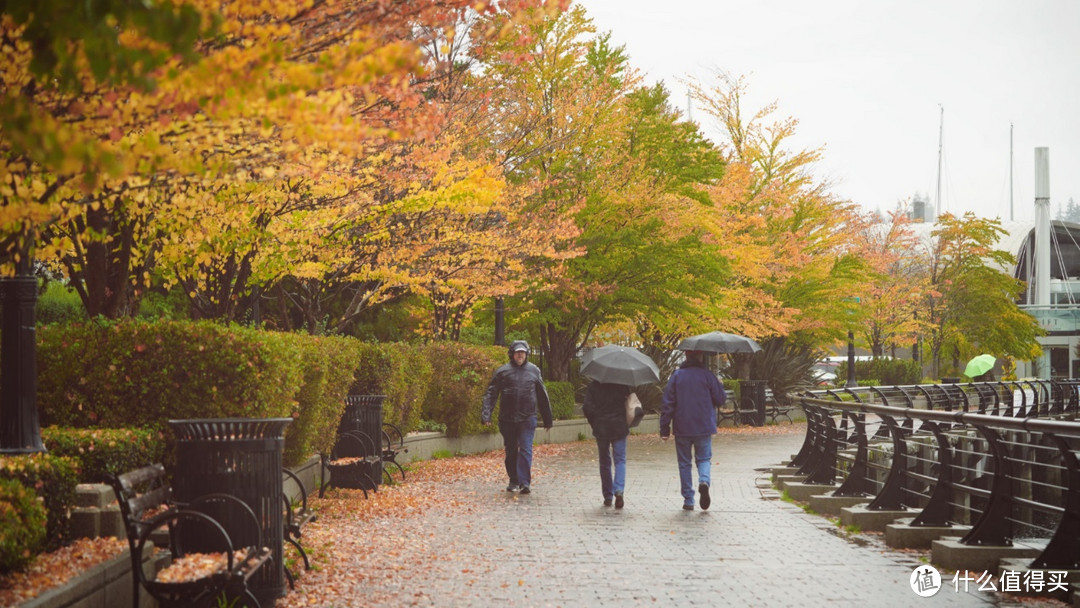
(500, 323)
(19, 430)
(851, 383)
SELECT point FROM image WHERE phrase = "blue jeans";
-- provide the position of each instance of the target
(612, 449)
(702, 447)
(518, 440)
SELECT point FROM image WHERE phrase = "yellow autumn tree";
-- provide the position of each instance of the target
(791, 244)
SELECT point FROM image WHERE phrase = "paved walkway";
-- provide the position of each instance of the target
(560, 547)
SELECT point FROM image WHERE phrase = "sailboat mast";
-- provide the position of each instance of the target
(941, 139)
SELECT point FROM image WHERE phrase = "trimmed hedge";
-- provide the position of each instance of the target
(885, 372)
(460, 375)
(328, 372)
(53, 478)
(104, 452)
(140, 373)
(22, 525)
(561, 395)
(402, 373)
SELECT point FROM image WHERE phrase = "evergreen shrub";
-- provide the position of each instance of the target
(561, 395)
(139, 373)
(53, 478)
(460, 375)
(400, 371)
(104, 452)
(22, 525)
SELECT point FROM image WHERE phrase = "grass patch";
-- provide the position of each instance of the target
(440, 454)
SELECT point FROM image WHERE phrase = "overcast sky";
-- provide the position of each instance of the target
(865, 79)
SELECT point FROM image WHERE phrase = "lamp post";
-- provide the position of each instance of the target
(500, 323)
(19, 430)
(851, 383)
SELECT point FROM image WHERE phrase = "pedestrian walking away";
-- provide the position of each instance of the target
(689, 407)
(605, 409)
(518, 389)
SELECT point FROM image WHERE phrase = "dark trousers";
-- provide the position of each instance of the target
(518, 439)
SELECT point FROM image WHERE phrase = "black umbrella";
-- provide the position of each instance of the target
(719, 342)
(620, 365)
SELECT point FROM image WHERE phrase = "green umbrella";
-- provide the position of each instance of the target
(979, 365)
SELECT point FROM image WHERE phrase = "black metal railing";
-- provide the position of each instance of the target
(1001, 457)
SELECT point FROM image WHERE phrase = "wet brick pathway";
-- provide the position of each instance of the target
(560, 546)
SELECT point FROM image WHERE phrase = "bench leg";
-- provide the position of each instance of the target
(291, 579)
(388, 472)
(303, 554)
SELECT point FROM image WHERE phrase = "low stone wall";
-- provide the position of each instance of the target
(106, 585)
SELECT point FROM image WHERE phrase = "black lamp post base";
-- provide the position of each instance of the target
(19, 430)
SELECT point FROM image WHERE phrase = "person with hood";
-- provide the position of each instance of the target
(519, 390)
(689, 405)
(605, 409)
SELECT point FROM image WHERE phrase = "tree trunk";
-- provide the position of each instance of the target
(559, 346)
(101, 272)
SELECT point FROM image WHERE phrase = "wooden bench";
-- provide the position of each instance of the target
(297, 515)
(146, 506)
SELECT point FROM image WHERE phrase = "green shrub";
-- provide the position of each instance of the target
(328, 373)
(143, 373)
(430, 426)
(139, 373)
(22, 525)
(402, 373)
(171, 305)
(53, 478)
(884, 372)
(58, 304)
(104, 452)
(460, 374)
(561, 395)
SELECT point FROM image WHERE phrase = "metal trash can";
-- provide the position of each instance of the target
(753, 398)
(363, 414)
(240, 457)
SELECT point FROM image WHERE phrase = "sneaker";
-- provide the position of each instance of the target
(607, 502)
(525, 490)
(688, 507)
(513, 487)
(703, 490)
(618, 501)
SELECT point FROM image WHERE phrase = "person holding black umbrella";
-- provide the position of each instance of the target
(613, 370)
(690, 400)
(605, 409)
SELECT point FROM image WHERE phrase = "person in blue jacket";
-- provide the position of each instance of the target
(519, 390)
(690, 400)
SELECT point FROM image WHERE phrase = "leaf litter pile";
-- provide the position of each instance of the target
(56, 568)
